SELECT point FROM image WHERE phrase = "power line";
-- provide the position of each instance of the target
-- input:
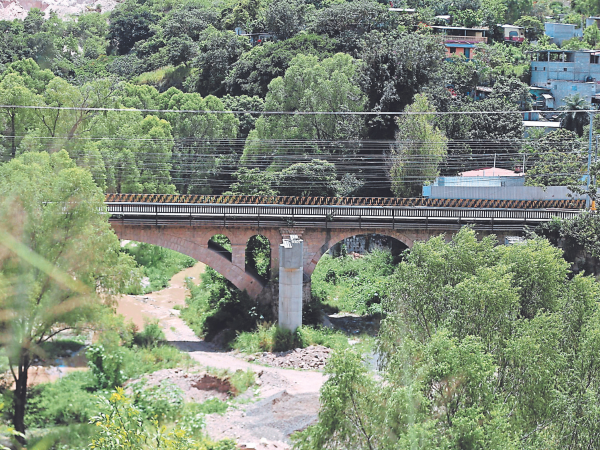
(292, 113)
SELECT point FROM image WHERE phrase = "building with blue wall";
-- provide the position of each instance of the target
(565, 73)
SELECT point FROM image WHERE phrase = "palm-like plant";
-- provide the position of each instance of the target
(575, 117)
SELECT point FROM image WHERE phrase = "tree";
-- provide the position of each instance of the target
(310, 85)
(348, 22)
(129, 24)
(198, 138)
(591, 35)
(394, 69)
(58, 251)
(559, 159)
(420, 147)
(255, 69)
(312, 179)
(575, 118)
(217, 52)
(244, 103)
(284, 19)
(16, 121)
(252, 182)
(513, 91)
(533, 27)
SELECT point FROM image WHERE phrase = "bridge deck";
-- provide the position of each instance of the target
(329, 216)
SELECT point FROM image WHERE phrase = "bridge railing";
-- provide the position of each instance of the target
(329, 213)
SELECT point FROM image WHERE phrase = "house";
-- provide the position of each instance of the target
(256, 38)
(559, 32)
(461, 40)
(591, 21)
(564, 73)
(513, 33)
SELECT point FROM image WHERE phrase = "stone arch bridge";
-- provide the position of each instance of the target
(187, 224)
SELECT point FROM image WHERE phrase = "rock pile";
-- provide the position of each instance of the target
(313, 357)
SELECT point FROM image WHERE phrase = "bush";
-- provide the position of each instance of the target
(271, 338)
(67, 401)
(162, 403)
(217, 305)
(151, 336)
(140, 360)
(106, 367)
(353, 285)
(120, 425)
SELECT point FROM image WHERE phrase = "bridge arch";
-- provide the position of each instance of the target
(316, 251)
(196, 246)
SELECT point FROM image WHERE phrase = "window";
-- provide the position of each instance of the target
(452, 49)
(594, 59)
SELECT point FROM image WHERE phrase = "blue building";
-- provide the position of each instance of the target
(563, 73)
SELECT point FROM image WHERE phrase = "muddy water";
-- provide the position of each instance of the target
(143, 308)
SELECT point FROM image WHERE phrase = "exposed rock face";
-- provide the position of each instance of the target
(17, 9)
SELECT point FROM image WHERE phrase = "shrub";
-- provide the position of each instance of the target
(271, 338)
(120, 425)
(106, 367)
(162, 402)
(151, 336)
(353, 285)
(217, 304)
(64, 402)
(140, 360)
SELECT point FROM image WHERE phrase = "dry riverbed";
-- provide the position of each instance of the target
(285, 400)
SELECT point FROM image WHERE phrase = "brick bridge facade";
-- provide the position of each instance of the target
(193, 241)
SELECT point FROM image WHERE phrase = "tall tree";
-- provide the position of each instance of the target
(575, 118)
(313, 86)
(395, 68)
(57, 253)
(418, 151)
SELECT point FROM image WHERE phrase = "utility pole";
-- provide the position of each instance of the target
(588, 201)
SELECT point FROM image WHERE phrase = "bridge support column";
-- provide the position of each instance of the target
(290, 283)
(238, 255)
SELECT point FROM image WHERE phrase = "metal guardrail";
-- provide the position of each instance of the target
(344, 201)
(328, 216)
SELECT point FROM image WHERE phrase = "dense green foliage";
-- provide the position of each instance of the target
(218, 306)
(271, 338)
(483, 346)
(357, 285)
(52, 270)
(158, 264)
(257, 57)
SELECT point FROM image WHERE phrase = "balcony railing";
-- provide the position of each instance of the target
(464, 39)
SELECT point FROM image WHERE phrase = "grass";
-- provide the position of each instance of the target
(240, 380)
(271, 338)
(164, 77)
(159, 264)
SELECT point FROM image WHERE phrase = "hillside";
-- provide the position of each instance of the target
(17, 9)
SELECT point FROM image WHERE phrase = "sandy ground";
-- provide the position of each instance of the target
(287, 400)
(159, 305)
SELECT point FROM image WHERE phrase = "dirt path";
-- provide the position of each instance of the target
(288, 400)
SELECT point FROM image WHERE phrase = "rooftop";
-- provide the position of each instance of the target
(460, 28)
(490, 172)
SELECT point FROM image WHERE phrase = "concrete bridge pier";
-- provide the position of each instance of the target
(290, 283)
